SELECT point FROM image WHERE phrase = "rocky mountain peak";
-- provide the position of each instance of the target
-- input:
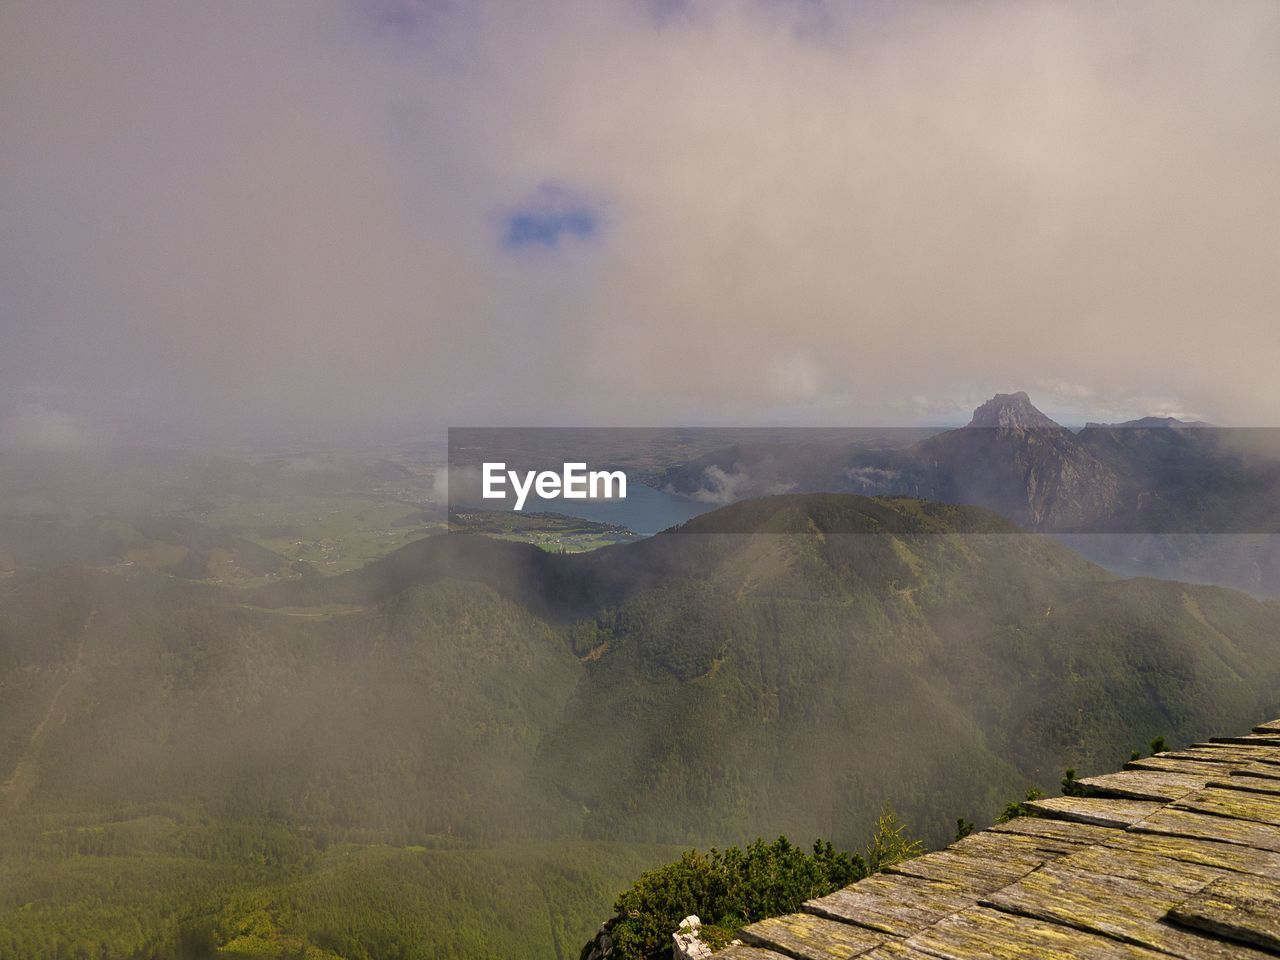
(1010, 411)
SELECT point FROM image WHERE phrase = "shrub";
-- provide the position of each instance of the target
(889, 845)
(1018, 808)
(726, 889)
(1071, 787)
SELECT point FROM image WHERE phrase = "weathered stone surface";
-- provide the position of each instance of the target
(1243, 909)
(984, 933)
(1182, 876)
(896, 950)
(1267, 771)
(1122, 908)
(1062, 833)
(1011, 845)
(1204, 753)
(985, 874)
(982, 862)
(1178, 856)
(1236, 751)
(1144, 784)
(896, 905)
(1210, 853)
(809, 937)
(1266, 738)
(1196, 767)
(1234, 804)
(741, 951)
(1189, 823)
(1099, 811)
(1271, 726)
(1222, 752)
(1265, 785)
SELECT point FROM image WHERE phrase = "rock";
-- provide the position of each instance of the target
(601, 945)
(1011, 412)
(687, 942)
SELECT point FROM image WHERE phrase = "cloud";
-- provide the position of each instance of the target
(797, 378)
(33, 426)
(871, 479)
(302, 217)
(720, 486)
(1063, 389)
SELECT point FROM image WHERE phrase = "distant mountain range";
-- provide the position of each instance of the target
(1154, 475)
(1173, 488)
(1171, 423)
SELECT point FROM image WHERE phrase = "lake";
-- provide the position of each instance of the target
(644, 511)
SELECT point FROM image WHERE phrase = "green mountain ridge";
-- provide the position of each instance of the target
(694, 686)
(698, 687)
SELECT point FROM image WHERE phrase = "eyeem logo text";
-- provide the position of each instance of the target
(574, 482)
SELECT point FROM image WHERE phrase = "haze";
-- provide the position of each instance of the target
(326, 218)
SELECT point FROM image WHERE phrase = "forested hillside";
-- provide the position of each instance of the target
(167, 883)
(704, 686)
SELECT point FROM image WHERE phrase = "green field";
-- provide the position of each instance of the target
(550, 531)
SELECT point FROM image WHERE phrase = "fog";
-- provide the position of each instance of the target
(333, 218)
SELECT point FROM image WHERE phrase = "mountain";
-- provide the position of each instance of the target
(1011, 412)
(780, 664)
(827, 649)
(1172, 498)
(257, 763)
(1150, 423)
(1013, 459)
(1154, 475)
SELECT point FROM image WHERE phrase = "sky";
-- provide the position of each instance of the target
(342, 217)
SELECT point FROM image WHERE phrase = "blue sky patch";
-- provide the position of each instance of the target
(662, 12)
(405, 17)
(551, 216)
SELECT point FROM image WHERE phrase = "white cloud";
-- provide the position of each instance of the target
(1063, 389)
(39, 427)
(284, 214)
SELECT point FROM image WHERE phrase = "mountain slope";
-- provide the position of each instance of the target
(411, 717)
(703, 685)
(805, 677)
